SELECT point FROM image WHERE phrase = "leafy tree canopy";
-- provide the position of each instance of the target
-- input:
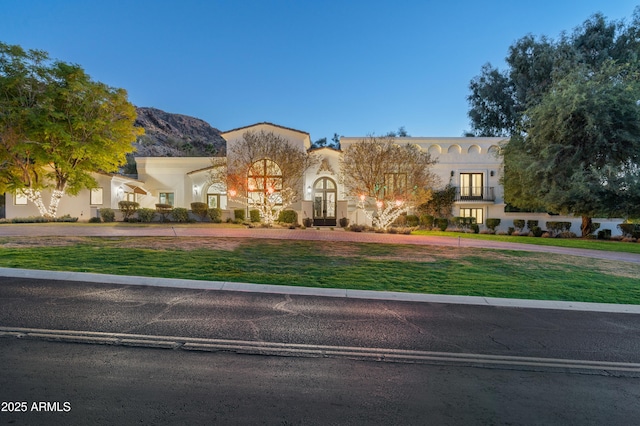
(57, 126)
(572, 109)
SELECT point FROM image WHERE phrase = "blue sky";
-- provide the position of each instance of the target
(324, 67)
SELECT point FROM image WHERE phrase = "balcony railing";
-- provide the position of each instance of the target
(475, 193)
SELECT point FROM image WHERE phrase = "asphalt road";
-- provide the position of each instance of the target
(174, 356)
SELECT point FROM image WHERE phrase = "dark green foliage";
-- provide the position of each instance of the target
(441, 202)
(426, 221)
(146, 215)
(518, 224)
(531, 224)
(463, 222)
(412, 220)
(288, 216)
(107, 215)
(537, 231)
(555, 228)
(630, 230)
(180, 214)
(199, 209)
(604, 234)
(239, 214)
(493, 223)
(442, 223)
(215, 215)
(128, 208)
(95, 220)
(254, 216)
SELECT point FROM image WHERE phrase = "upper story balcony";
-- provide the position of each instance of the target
(470, 194)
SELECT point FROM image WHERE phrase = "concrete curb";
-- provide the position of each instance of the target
(311, 291)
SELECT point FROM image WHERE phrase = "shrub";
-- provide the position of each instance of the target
(356, 228)
(554, 228)
(531, 224)
(344, 222)
(442, 223)
(180, 214)
(107, 215)
(511, 230)
(199, 209)
(536, 231)
(239, 214)
(254, 215)
(426, 221)
(288, 216)
(215, 215)
(146, 215)
(567, 234)
(128, 208)
(518, 224)
(630, 230)
(604, 234)
(164, 210)
(492, 223)
(475, 228)
(412, 220)
(66, 218)
(401, 220)
(95, 220)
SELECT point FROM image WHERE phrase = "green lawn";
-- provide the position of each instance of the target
(616, 246)
(420, 269)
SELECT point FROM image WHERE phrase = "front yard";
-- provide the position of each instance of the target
(405, 268)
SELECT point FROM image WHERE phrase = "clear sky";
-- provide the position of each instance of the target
(348, 67)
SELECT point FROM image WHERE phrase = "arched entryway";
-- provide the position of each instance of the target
(324, 202)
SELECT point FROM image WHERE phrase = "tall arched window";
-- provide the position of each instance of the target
(264, 178)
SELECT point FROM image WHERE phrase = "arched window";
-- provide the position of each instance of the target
(264, 178)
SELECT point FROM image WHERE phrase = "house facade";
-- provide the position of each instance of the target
(471, 165)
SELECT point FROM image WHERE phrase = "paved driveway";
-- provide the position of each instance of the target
(312, 234)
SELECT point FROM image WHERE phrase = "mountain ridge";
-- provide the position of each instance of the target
(176, 135)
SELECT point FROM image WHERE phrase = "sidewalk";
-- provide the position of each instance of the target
(338, 235)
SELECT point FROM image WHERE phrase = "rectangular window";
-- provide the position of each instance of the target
(471, 185)
(477, 213)
(213, 201)
(20, 199)
(395, 185)
(96, 197)
(166, 198)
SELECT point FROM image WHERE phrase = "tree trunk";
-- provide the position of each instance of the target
(587, 226)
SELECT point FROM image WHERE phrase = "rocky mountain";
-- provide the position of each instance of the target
(176, 135)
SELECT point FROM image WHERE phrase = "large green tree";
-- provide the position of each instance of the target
(571, 108)
(58, 126)
(581, 151)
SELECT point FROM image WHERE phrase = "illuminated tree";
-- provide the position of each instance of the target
(57, 126)
(387, 179)
(265, 172)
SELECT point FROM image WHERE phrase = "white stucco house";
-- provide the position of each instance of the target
(472, 165)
